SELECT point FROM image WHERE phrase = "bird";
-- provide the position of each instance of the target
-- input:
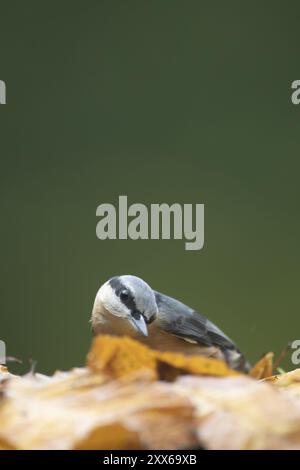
(126, 305)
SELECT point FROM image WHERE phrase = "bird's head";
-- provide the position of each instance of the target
(128, 299)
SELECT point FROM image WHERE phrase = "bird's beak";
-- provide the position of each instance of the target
(139, 324)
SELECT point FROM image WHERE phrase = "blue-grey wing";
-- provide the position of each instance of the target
(180, 320)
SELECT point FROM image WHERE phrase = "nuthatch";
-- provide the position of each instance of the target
(126, 305)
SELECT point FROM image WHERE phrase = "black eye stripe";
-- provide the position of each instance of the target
(119, 287)
(129, 302)
(116, 284)
(124, 294)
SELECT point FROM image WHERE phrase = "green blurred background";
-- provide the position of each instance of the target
(164, 101)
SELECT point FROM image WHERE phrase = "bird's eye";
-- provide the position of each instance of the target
(124, 294)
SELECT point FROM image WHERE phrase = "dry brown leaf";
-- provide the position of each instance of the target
(241, 413)
(81, 410)
(171, 365)
(117, 403)
(289, 382)
(263, 368)
(4, 374)
(118, 357)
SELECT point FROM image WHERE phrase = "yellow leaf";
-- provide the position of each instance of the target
(263, 368)
(120, 356)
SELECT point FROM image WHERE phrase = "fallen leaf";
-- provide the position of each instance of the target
(118, 357)
(122, 400)
(82, 410)
(263, 368)
(241, 413)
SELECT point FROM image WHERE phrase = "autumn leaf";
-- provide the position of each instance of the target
(118, 357)
(264, 367)
(82, 410)
(132, 397)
